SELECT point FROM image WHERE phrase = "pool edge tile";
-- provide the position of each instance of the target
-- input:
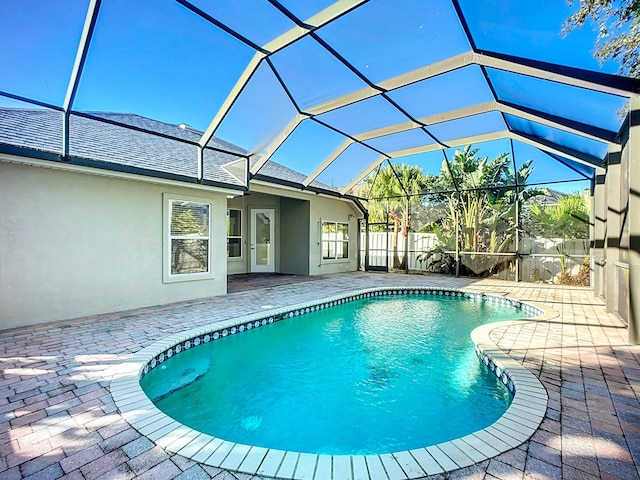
(342, 467)
(220, 453)
(195, 445)
(253, 460)
(359, 467)
(174, 436)
(454, 453)
(426, 461)
(271, 463)
(163, 431)
(480, 444)
(393, 468)
(469, 451)
(442, 458)
(530, 402)
(306, 466)
(375, 467)
(235, 457)
(288, 465)
(409, 464)
(207, 450)
(324, 468)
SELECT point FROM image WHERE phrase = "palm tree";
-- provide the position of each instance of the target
(481, 209)
(569, 218)
(393, 192)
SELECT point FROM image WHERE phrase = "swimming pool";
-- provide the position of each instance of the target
(513, 427)
(400, 369)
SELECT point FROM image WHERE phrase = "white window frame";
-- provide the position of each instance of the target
(241, 257)
(167, 276)
(336, 242)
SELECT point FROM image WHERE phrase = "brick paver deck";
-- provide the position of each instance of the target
(58, 420)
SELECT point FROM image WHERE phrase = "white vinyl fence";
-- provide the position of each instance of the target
(541, 258)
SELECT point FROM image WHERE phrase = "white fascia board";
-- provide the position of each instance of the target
(264, 186)
(65, 167)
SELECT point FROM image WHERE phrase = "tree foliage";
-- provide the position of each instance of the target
(485, 205)
(618, 24)
(569, 218)
(394, 191)
(480, 215)
(473, 202)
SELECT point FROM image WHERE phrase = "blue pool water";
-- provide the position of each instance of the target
(372, 376)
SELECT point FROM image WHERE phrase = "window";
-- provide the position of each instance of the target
(335, 240)
(234, 233)
(188, 240)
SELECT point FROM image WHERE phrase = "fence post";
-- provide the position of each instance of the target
(517, 236)
(457, 244)
(406, 237)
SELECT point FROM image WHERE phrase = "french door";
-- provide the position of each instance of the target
(263, 239)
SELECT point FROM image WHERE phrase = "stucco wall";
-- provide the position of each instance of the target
(245, 204)
(294, 240)
(74, 244)
(319, 208)
(618, 233)
(328, 209)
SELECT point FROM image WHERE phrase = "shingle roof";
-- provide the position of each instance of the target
(31, 128)
(152, 146)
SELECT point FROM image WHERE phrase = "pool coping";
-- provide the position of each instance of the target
(514, 427)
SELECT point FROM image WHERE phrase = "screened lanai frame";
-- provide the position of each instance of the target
(369, 114)
(524, 255)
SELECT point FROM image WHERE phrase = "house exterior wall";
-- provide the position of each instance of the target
(621, 229)
(328, 209)
(632, 225)
(73, 245)
(245, 204)
(294, 241)
(301, 221)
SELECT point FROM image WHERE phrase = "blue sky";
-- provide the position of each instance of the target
(157, 59)
(147, 53)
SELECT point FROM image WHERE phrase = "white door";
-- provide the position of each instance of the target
(263, 239)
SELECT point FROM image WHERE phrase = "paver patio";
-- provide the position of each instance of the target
(58, 420)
